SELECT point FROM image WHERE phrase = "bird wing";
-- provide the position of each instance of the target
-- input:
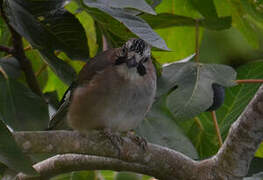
(90, 69)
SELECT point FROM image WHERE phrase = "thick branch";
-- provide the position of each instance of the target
(164, 162)
(231, 162)
(244, 138)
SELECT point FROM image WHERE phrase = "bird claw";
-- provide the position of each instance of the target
(115, 139)
(140, 141)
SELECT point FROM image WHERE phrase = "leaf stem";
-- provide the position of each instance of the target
(249, 81)
(197, 48)
(217, 128)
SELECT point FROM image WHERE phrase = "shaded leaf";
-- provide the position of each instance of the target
(47, 25)
(21, 108)
(135, 24)
(11, 67)
(10, 153)
(190, 86)
(205, 7)
(160, 128)
(256, 166)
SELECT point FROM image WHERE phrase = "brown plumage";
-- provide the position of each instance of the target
(114, 90)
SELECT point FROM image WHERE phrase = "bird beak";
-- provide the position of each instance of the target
(132, 62)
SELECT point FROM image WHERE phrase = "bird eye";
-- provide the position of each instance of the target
(124, 51)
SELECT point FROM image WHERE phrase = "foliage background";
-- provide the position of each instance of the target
(59, 36)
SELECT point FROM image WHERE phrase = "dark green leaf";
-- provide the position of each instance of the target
(10, 153)
(164, 20)
(160, 128)
(21, 109)
(127, 176)
(47, 25)
(135, 24)
(256, 166)
(190, 86)
(83, 175)
(11, 67)
(205, 7)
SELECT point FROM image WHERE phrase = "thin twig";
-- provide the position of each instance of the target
(249, 81)
(6, 49)
(217, 128)
(197, 48)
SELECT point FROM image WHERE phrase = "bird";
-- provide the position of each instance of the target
(113, 91)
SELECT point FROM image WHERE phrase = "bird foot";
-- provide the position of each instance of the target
(140, 141)
(115, 139)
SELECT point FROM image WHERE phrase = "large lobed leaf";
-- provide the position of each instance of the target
(189, 86)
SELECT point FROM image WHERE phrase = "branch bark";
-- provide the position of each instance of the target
(230, 163)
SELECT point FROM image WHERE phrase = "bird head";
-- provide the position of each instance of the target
(135, 53)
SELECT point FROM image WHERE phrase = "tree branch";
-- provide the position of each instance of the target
(19, 54)
(75, 162)
(244, 138)
(231, 162)
(164, 162)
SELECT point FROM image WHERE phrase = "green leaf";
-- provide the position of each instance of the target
(193, 83)
(164, 20)
(10, 153)
(160, 128)
(127, 176)
(205, 7)
(21, 109)
(134, 23)
(181, 40)
(236, 99)
(83, 175)
(55, 84)
(240, 21)
(64, 71)
(47, 25)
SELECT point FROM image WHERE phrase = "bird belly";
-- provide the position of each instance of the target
(114, 104)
